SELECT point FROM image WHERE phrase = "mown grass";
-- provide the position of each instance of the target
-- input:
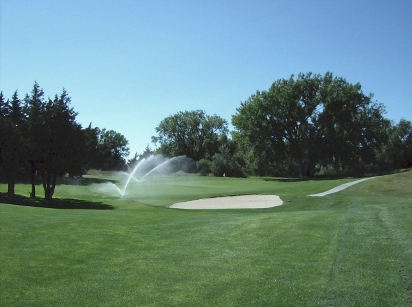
(353, 248)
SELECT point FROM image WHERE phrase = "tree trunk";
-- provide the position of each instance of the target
(33, 182)
(10, 189)
(306, 169)
(49, 184)
(53, 184)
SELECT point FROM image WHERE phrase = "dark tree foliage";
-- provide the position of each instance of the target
(16, 111)
(35, 106)
(105, 149)
(226, 163)
(11, 153)
(191, 133)
(400, 144)
(61, 143)
(12, 149)
(310, 121)
(41, 137)
(113, 150)
(3, 106)
(92, 156)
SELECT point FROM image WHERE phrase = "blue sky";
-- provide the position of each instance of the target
(129, 64)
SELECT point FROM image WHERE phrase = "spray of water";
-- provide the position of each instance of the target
(131, 175)
(156, 167)
(145, 167)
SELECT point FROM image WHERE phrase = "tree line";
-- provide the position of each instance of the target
(40, 137)
(301, 126)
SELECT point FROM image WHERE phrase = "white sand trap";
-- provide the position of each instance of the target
(340, 187)
(232, 202)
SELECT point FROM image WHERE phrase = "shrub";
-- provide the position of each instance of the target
(203, 166)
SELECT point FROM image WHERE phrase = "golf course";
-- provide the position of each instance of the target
(91, 247)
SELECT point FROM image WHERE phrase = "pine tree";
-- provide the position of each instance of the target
(11, 140)
(34, 105)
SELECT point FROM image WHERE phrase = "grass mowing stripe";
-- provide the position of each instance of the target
(364, 270)
(399, 233)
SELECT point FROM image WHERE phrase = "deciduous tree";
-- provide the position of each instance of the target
(311, 120)
(191, 133)
(113, 149)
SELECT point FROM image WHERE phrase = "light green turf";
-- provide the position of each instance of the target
(353, 248)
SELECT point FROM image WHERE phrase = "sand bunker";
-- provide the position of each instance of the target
(232, 202)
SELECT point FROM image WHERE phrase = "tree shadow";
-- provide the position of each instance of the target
(55, 203)
(313, 178)
(280, 179)
(81, 181)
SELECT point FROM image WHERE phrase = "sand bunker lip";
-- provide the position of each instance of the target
(231, 202)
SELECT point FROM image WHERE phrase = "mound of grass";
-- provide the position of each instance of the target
(353, 248)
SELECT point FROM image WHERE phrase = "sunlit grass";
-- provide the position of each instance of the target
(353, 248)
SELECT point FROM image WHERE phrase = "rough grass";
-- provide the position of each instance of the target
(353, 248)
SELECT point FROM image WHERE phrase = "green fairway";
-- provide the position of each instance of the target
(352, 248)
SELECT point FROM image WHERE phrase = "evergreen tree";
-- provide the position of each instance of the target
(61, 143)
(16, 110)
(34, 104)
(12, 149)
(3, 106)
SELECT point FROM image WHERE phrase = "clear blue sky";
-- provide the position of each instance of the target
(129, 64)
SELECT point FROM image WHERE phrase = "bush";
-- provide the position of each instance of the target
(203, 166)
(225, 163)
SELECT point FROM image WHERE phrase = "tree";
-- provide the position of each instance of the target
(16, 110)
(113, 150)
(10, 152)
(137, 157)
(105, 149)
(3, 106)
(191, 133)
(309, 121)
(34, 105)
(401, 144)
(55, 142)
(226, 163)
(11, 140)
(352, 125)
(279, 124)
(61, 143)
(92, 157)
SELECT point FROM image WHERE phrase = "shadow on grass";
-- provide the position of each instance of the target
(67, 181)
(284, 179)
(55, 203)
(314, 178)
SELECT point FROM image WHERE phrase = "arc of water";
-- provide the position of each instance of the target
(135, 179)
(153, 169)
(130, 176)
(116, 187)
